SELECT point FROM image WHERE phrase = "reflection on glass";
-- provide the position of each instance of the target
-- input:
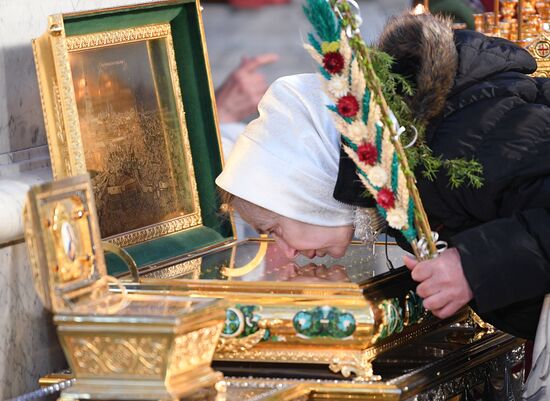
(68, 240)
(356, 266)
(160, 306)
(310, 272)
(132, 135)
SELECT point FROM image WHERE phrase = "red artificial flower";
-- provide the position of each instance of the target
(333, 62)
(367, 153)
(348, 106)
(385, 198)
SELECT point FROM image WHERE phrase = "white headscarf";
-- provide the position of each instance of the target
(287, 159)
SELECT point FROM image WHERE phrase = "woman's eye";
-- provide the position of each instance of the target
(269, 232)
(274, 234)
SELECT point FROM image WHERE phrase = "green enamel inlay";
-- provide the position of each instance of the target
(242, 321)
(394, 318)
(414, 308)
(324, 321)
(234, 323)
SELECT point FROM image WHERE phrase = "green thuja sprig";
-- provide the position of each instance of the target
(430, 163)
(459, 171)
(462, 171)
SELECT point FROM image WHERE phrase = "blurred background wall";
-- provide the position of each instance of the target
(232, 33)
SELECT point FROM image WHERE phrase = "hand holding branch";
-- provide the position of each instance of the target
(442, 283)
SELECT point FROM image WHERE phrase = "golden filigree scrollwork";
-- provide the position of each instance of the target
(158, 230)
(237, 345)
(100, 39)
(120, 355)
(67, 101)
(194, 349)
(475, 321)
(190, 269)
(357, 364)
(234, 346)
(61, 166)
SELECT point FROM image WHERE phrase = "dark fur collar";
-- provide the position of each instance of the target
(424, 50)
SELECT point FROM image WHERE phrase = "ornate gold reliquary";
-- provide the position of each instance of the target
(118, 345)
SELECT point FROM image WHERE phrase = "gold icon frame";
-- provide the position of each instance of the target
(73, 151)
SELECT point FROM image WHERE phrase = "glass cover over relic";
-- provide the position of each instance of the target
(133, 128)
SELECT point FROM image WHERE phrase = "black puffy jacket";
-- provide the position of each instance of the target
(501, 117)
(493, 112)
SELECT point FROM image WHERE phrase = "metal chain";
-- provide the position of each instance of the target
(49, 390)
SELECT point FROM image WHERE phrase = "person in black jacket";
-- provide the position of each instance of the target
(478, 102)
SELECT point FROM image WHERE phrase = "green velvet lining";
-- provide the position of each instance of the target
(81, 25)
(199, 115)
(160, 249)
(193, 77)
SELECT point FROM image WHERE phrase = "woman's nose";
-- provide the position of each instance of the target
(287, 250)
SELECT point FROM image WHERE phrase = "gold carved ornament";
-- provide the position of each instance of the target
(69, 229)
(101, 355)
(233, 346)
(64, 131)
(357, 364)
(194, 349)
(65, 250)
(540, 49)
(68, 131)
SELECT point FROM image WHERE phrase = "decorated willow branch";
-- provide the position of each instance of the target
(370, 132)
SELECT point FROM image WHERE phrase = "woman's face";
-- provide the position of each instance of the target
(294, 237)
(310, 240)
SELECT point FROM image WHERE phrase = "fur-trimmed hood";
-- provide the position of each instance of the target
(441, 62)
(424, 51)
